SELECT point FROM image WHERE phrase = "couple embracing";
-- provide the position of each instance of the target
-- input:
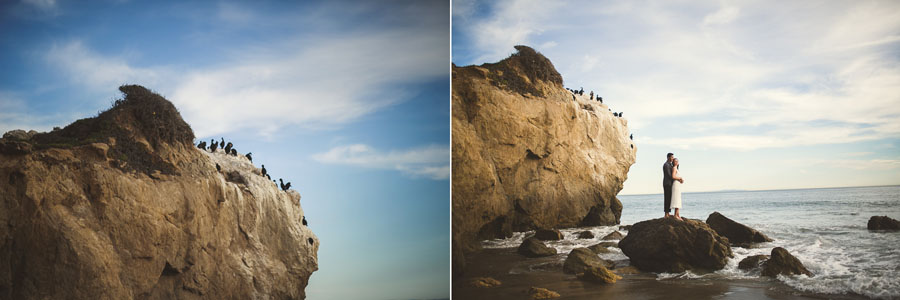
(672, 182)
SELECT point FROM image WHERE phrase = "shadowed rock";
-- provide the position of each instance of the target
(615, 235)
(532, 247)
(737, 233)
(670, 245)
(585, 235)
(548, 234)
(581, 259)
(883, 223)
(752, 262)
(781, 262)
(537, 293)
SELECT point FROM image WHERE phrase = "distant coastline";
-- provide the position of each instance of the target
(769, 190)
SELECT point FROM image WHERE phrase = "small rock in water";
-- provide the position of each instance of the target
(752, 262)
(599, 274)
(532, 247)
(548, 234)
(608, 244)
(542, 293)
(585, 235)
(883, 223)
(485, 282)
(615, 235)
(670, 245)
(582, 259)
(782, 262)
(598, 248)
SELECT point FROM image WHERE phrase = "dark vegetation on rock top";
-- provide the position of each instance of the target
(141, 114)
(522, 70)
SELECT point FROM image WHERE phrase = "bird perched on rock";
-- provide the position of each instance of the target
(218, 168)
(213, 146)
(287, 186)
(249, 157)
(222, 144)
(263, 171)
(202, 145)
(631, 136)
(281, 182)
(600, 99)
(304, 221)
(228, 148)
(233, 152)
(620, 114)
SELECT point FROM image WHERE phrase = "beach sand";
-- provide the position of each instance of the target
(517, 274)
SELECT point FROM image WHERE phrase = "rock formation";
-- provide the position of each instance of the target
(526, 156)
(883, 223)
(670, 245)
(548, 234)
(123, 206)
(582, 259)
(537, 293)
(532, 247)
(738, 234)
(781, 262)
(599, 274)
(615, 235)
(752, 262)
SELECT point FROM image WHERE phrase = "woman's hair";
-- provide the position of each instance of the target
(677, 166)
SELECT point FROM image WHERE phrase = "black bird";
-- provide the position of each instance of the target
(227, 147)
(213, 147)
(267, 176)
(620, 113)
(631, 136)
(600, 99)
(615, 114)
(249, 157)
(218, 168)
(573, 97)
(233, 152)
(287, 186)
(282, 183)
(222, 144)
(632, 146)
(263, 168)
(202, 145)
(304, 221)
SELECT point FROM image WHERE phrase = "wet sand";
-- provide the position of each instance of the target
(518, 273)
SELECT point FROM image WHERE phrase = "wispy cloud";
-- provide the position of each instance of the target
(430, 162)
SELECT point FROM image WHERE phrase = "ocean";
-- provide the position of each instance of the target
(824, 228)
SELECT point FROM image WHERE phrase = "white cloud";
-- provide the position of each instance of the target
(84, 66)
(431, 161)
(48, 8)
(724, 15)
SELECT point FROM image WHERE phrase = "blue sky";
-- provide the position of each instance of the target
(748, 94)
(349, 101)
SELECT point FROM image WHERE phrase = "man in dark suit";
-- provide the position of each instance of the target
(667, 183)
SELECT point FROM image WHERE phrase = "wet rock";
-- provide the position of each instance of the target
(599, 249)
(670, 245)
(738, 234)
(752, 262)
(548, 234)
(615, 235)
(585, 235)
(581, 259)
(599, 274)
(532, 247)
(608, 244)
(542, 293)
(782, 262)
(883, 223)
(484, 282)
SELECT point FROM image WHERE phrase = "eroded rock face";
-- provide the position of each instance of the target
(122, 207)
(781, 262)
(525, 155)
(883, 223)
(670, 245)
(737, 233)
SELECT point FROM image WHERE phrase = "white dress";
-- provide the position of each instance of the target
(676, 193)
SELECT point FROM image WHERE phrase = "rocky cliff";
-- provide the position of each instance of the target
(526, 155)
(123, 206)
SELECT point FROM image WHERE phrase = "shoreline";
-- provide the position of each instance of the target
(518, 273)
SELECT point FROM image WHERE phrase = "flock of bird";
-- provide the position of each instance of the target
(580, 92)
(230, 150)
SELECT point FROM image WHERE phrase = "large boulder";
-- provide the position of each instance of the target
(526, 156)
(548, 234)
(781, 262)
(532, 247)
(737, 233)
(582, 259)
(670, 245)
(883, 223)
(599, 274)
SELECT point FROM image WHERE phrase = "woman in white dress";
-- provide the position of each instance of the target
(676, 189)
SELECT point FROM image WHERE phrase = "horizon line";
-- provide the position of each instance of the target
(765, 190)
